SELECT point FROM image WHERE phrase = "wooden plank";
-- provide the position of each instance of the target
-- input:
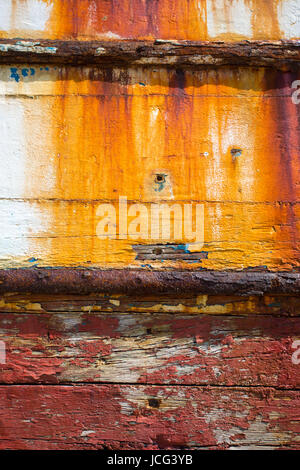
(184, 303)
(75, 347)
(140, 417)
(183, 19)
(111, 133)
(64, 233)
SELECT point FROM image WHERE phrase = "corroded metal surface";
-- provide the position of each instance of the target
(278, 54)
(76, 281)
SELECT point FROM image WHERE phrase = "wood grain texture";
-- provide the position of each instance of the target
(140, 417)
(233, 305)
(81, 346)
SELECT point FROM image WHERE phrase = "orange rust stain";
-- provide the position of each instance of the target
(264, 19)
(149, 19)
(226, 138)
(113, 128)
(129, 19)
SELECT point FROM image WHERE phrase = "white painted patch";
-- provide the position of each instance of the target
(12, 148)
(5, 17)
(154, 115)
(86, 433)
(31, 15)
(19, 220)
(288, 12)
(111, 35)
(234, 17)
(26, 46)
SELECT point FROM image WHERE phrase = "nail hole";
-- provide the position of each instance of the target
(154, 402)
(160, 178)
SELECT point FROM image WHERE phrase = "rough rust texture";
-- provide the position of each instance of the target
(84, 281)
(160, 52)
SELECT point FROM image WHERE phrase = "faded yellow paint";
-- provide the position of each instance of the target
(225, 138)
(75, 307)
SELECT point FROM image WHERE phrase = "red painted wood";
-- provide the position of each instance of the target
(156, 349)
(114, 416)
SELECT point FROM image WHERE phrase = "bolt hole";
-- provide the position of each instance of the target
(154, 402)
(159, 178)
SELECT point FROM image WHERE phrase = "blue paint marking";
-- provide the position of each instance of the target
(142, 84)
(25, 72)
(181, 247)
(15, 74)
(32, 260)
(32, 72)
(160, 187)
(160, 184)
(47, 69)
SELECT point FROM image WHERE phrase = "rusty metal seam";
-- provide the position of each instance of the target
(139, 282)
(158, 52)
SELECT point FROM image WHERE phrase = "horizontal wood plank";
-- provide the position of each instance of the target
(64, 233)
(140, 417)
(75, 347)
(182, 303)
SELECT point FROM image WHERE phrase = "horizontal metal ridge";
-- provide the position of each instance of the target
(139, 281)
(159, 52)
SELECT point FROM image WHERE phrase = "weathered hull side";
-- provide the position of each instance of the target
(147, 19)
(73, 138)
(139, 342)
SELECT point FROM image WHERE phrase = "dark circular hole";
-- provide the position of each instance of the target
(157, 251)
(148, 331)
(160, 178)
(153, 402)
